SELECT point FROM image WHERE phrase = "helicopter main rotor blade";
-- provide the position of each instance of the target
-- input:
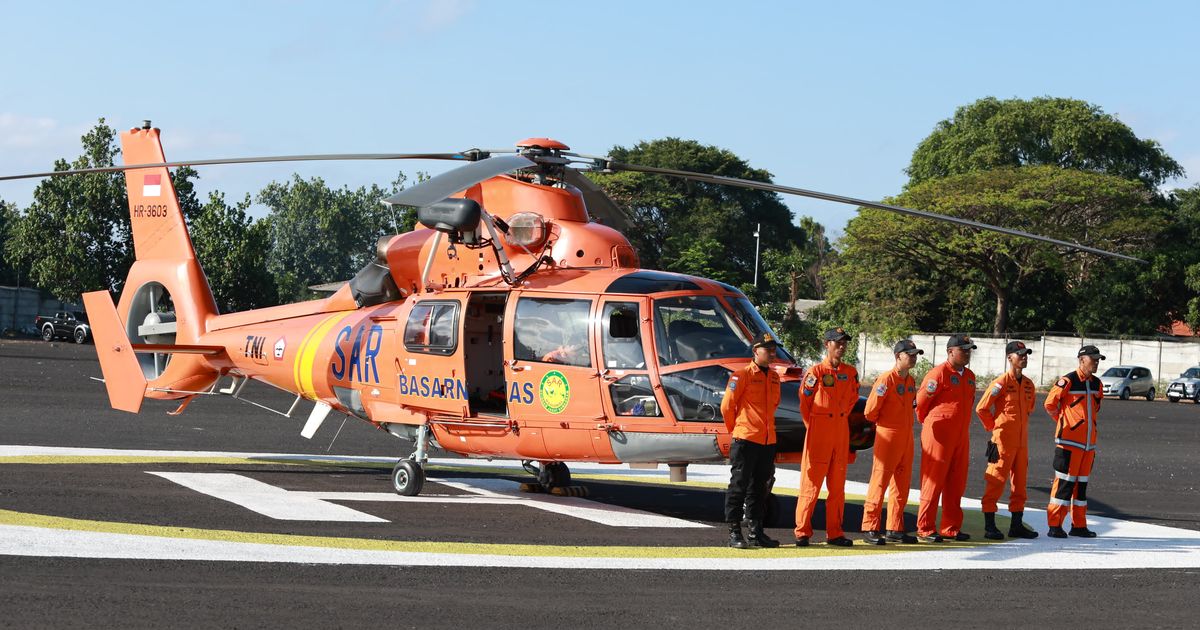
(438, 188)
(597, 201)
(249, 160)
(748, 183)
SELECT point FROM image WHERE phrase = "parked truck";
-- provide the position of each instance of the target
(71, 325)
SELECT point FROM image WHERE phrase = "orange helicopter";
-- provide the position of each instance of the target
(510, 326)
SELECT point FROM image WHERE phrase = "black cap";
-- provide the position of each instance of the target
(764, 340)
(906, 345)
(837, 334)
(1017, 347)
(1090, 350)
(961, 341)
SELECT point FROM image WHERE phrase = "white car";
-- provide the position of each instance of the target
(1186, 386)
(1123, 381)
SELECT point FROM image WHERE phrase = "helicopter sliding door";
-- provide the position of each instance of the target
(483, 353)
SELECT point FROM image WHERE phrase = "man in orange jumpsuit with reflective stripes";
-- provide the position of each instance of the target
(1004, 411)
(944, 402)
(890, 407)
(748, 408)
(1074, 403)
(827, 397)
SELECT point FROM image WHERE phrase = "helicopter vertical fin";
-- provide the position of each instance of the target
(165, 277)
(123, 376)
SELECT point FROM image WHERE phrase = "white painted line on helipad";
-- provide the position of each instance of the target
(1121, 545)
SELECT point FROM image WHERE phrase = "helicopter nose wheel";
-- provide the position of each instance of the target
(408, 477)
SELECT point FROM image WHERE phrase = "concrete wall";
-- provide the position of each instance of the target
(1052, 356)
(19, 307)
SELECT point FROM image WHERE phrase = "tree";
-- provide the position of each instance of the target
(76, 237)
(1062, 132)
(8, 220)
(318, 234)
(903, 267)
(1186, 234)
(232, 249)
(671, 215)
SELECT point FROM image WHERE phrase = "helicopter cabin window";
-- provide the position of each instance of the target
(432, 328)
(550, 330)
(696, 328)
(622, 339)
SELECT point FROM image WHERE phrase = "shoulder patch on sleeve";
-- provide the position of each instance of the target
(881, 390)
(932, 386)
(996, 389)
(1062, 382)
(733, 383)
(811, 380)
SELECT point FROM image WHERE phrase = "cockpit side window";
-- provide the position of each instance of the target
(622, 338)
(549, 330)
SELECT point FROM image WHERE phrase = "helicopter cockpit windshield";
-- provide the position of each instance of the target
(699, 327)
(696, 328)
(752, 320)
(702, 328)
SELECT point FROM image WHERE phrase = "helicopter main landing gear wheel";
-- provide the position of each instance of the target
(553, 478)
(408, 477)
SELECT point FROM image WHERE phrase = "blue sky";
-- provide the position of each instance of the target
(824, 96)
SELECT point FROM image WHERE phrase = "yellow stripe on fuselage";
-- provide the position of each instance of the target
(308, 354)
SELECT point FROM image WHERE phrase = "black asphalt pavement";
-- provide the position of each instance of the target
(1146, 471)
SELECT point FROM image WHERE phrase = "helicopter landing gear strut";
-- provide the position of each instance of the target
(553, 478)
(408, 477)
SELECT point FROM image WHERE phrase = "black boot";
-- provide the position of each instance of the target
(759, 538)
(989, 527)
(1018, 529)
(1056, 531)
(1082, 532)
(736, 540)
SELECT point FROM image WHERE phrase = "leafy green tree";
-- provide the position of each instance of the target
(903, 267)
(8, 220)
(318, 234)
(232, 249)
(671, 215)
(75, 237)
(1063, 132)
(1185, 235)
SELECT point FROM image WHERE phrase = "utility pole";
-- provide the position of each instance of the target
(757, 242)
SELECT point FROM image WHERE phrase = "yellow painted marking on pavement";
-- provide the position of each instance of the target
(24, 519)
(308, 354)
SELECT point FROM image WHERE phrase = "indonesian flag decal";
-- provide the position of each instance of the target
(151, 185)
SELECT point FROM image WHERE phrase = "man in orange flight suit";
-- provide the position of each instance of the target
(827, 397)
(890, 407)
(748, 408)
(944, 403)
(1074, 403)
(1004, 411)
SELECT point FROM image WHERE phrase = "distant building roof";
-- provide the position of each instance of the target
(1179, 329)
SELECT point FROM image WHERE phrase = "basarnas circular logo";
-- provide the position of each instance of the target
(554, 391)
